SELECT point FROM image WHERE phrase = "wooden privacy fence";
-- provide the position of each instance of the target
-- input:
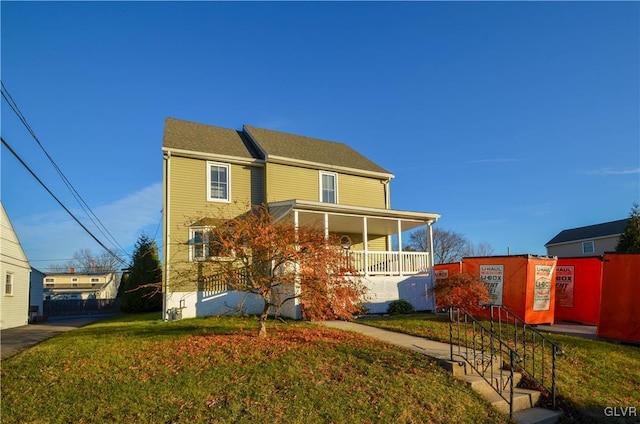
(69, 307)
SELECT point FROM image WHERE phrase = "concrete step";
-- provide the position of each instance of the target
(522, 399)
(488, 382)
(537, 416)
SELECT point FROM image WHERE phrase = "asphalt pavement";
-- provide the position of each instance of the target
(14, 340)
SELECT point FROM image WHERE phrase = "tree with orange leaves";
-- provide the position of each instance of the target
(280, 262)
(462, 290)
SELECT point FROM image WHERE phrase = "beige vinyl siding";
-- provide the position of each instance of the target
(600, 245)
(14, 308)
(360, 191)
(188, 200)
(286, 182)
(377, 243)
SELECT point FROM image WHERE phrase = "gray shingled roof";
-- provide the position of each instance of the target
(590, 232)
(186, 135)
(309, 149)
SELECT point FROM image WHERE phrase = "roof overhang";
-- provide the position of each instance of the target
(349, 219)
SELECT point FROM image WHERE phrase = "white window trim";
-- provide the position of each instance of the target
(223, 165)
(205, 242)
(192, 236)
(8, 279)
(593, 247)
(335, 178)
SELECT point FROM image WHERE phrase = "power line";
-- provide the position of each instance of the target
(92, 216)
(4, 142)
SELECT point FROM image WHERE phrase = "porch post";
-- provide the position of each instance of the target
(431, 260)
(400, 261)
(365, 245)
(326, 226)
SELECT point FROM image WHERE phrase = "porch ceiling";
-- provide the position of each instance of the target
(349, 219)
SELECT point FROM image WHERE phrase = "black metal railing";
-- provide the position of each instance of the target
(537, 351)
(484, 351)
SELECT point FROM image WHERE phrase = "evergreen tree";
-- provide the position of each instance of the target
(140, 288)
(630, 239)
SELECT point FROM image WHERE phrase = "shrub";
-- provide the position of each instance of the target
(400, 306)
(461, 290)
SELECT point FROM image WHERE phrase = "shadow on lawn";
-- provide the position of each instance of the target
(151, 326)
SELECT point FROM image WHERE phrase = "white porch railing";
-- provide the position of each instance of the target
(387, 263)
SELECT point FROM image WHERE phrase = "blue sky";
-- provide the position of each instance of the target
(513, 120)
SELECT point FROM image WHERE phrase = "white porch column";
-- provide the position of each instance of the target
(326, 226)
(365, 243)
(400, 262)
(431, 262)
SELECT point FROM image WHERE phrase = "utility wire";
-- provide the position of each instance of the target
(60, 203)
(92, 216)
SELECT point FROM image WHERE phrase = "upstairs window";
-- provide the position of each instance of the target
(95, 280)
(588, 247)
(328, 187)
(218, 182)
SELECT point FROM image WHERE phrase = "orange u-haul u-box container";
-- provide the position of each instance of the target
(578, 283)
(522, 283)
(620, 297)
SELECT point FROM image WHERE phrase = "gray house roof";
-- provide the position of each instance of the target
(254, 143)
(191, 136)
(313, 150)
(605, 229)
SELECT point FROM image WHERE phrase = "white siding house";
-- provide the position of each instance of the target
(15, 273)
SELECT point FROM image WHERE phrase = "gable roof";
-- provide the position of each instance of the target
(253, 143)
(283, 145)
(194, 137)
(605, 229)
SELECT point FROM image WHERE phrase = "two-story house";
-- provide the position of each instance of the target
(213, 172)
(592, 240)
(74, 285)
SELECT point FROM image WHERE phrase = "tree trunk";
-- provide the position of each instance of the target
(262, 323)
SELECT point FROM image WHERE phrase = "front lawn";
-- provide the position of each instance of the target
(592, 375)
(138, 369)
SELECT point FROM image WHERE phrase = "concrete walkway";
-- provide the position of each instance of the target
(427, 347)
(14, 340)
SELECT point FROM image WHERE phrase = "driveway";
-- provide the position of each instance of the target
(14, 340)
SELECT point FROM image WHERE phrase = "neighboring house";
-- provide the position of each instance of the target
(81, 286)
(216, 172)
(15, 270)
(592, 240)
(36, 293)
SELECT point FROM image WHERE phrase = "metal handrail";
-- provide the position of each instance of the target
(526, 346)
(488, 354)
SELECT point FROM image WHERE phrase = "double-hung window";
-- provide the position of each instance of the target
(8, 284)
(203, 246)
(218, 182)
(328, 187)
(588, 247)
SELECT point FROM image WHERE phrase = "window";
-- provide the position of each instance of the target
(218, 182)
(74, 280)
(95, 280)
(8, 284)
(49, 280)
(328, 187)
(588, 247)
(203, 246)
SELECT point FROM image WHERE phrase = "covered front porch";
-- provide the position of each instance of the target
(366, 234)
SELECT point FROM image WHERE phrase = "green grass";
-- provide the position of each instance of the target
(591, 375)
(138, 369)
